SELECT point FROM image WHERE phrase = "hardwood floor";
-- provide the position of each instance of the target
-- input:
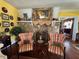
(48, 56)
(71, 52)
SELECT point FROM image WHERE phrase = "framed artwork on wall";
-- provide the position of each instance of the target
(4, 9)
(55, 26)
(11, 17)
(5, 24)
(0, 24)
(4, 16)
(42, 14)
(12, 24)
(7, 29)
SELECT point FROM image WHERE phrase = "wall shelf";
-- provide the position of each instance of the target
(23, 21)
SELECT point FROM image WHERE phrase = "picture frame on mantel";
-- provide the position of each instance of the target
(42, 14)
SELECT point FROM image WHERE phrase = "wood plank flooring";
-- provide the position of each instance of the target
(71, 52)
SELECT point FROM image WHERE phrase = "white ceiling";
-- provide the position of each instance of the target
(64, 4)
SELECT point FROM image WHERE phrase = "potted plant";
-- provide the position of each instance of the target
(16, 30)
(26, 27)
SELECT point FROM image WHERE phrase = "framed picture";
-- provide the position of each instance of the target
(42, 14)
(0, 24)
(4, 9)
(55, 26)
(7, 29)
(12, 24)
(11, 17)
(4, 16)
(5, 24)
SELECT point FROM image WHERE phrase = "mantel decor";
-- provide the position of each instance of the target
(42, 14)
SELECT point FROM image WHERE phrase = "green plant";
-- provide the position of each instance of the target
(2, 33)
(16, 30)
(26, 27)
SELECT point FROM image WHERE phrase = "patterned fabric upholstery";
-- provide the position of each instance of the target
(57, 38)
(25, 36)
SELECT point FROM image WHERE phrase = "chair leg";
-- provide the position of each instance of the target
(64, 52)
